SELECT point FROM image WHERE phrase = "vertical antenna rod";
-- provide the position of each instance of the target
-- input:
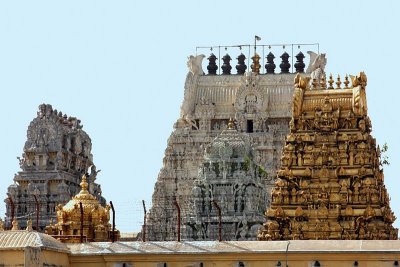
(144, 221)
(179, 219)
(113, 223)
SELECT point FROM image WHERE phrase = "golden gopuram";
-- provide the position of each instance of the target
(92, 220)
(331, 183)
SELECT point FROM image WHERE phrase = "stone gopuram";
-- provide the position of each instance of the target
(56, 154)
(330, 184)
(230, 184)
(260, 104)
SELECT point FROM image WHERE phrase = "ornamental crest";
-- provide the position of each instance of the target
(249, 97)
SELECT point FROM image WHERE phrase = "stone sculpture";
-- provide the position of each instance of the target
(231, 179)
(316, 68)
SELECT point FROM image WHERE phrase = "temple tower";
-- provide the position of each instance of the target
(56, 154)
(231, 184)
(330, 184)
(259, 102)
(83, 216)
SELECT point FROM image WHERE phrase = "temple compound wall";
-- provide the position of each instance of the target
(260, 107)
(330, 184)
(56, 154)
(29, 248)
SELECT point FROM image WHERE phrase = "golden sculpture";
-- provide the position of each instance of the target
(330, 185)
(15, 225)
(96, 226)
(255, 67)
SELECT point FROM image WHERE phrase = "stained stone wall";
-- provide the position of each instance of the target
(56, 154)
(260, 105)
(230, 184)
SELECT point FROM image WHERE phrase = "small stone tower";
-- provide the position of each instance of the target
(56, 154)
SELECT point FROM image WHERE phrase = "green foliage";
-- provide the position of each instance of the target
(247, 162)
(262, 171)
(384, 158)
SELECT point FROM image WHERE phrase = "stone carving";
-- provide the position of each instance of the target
(260, 106)
(336, 184)
(195, 64)
(250, 97)
(56, 153)
(236, 184)
(316, 68)
(359, 96)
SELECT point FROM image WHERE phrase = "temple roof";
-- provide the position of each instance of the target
(229, 143)
(21, 238)
(242, 247)
(88, 200)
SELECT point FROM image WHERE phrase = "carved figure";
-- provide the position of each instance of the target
(195, 64)
(317, 66)
(336, 183)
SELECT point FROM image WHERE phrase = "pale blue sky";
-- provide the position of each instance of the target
(120, 67)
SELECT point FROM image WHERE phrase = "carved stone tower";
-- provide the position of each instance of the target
(56, 154)
(260, 105)
(330, 185)
(229, 180)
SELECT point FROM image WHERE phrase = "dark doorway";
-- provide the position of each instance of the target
(249, 126)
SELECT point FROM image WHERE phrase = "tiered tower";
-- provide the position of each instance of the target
(260, 105)
(229, 184)
(92, 220)
(330, 184)
(56, 154)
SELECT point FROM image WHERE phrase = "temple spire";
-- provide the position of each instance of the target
(84, 185)
(330, 185)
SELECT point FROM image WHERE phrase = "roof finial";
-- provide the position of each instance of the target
(15, 225)
(231, 124)
(84, 184)
(29, 227)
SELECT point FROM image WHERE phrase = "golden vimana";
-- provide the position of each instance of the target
(95, 223)
(331, 183)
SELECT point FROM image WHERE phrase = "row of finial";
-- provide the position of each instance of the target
(241, 66)
(322, 82)
(47, 110)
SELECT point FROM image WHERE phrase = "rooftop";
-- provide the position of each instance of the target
(243, 247)
(21, 238)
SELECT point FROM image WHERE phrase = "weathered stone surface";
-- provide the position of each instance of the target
(261, 108)
(229, 182)
(56, 154)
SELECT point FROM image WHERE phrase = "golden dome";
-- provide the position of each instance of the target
(95, 219)
(88, 200)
